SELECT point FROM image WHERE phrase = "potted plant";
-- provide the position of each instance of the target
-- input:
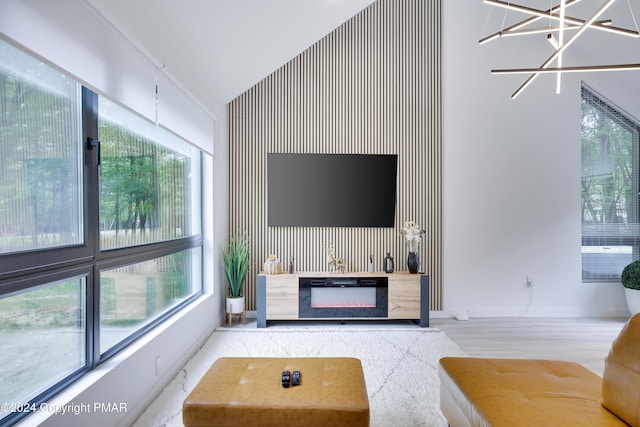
(630, 279)
(236, 265)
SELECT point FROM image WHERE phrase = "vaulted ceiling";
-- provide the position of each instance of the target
(217, 49)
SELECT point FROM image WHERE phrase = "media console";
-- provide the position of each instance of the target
(327, 296)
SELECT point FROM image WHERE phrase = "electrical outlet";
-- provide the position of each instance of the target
(529, 282)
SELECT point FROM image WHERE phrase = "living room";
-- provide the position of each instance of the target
(505, 211)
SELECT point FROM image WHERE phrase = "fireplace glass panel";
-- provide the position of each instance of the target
(343, 297)
(349, 297)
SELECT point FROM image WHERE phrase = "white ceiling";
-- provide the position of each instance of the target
(217, 49)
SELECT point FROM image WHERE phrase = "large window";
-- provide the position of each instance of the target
(149, 179)
(43, 333)
(40, 158)
(610, 214)
(99, 241)
(134, 295)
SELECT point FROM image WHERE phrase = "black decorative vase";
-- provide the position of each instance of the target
(387, 263)
(413, 262)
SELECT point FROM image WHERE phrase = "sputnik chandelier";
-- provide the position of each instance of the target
(567, 28)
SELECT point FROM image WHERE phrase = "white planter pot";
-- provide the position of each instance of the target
(235, 305)
(633, 300)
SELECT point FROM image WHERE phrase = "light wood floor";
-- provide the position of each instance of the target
(582, 340)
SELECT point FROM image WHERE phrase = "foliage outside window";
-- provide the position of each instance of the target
(147, 181)
(53, 317)
(610, 229)
(40, 157)
(133, 295)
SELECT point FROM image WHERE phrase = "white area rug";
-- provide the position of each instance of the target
(400, 367)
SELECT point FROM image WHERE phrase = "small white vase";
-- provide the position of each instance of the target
(633, 300)
(235, 305)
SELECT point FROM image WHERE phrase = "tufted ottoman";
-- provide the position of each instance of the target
(248, 392)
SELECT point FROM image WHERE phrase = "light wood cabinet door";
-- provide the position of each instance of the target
(282, 297)
(404, 297)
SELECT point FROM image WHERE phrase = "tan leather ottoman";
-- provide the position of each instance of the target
(248, 392)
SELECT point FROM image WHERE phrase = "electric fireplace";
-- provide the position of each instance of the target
(343, 297)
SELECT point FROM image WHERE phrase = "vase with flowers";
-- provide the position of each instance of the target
(412, 233)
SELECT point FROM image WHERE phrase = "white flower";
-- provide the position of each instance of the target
(413, 235)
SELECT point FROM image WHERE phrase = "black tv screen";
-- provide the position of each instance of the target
(331, 190)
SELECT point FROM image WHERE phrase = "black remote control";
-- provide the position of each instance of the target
(295, 380)
(286, 379)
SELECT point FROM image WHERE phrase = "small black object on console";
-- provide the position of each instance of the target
(387, 263)
(286, 379)
(295, 380)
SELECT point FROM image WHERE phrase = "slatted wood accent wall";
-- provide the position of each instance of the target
(371, 86)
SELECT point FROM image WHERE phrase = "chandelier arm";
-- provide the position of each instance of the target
(633, 16)
(545, 14)
(563, 4)
(570, 69)
(525, 22)
(562, 48)
(539, 30)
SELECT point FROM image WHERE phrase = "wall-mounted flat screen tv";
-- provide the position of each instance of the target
(331, 190)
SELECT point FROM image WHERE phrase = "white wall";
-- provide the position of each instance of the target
(512, 178)
(136, 375)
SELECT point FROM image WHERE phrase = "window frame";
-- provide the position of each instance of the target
(632, 125)
(22, 271)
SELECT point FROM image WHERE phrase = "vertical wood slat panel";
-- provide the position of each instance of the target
(371, 86)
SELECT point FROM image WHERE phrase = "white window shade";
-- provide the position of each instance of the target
(180, 114)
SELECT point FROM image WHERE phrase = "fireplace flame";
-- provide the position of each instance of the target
(346, 304)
